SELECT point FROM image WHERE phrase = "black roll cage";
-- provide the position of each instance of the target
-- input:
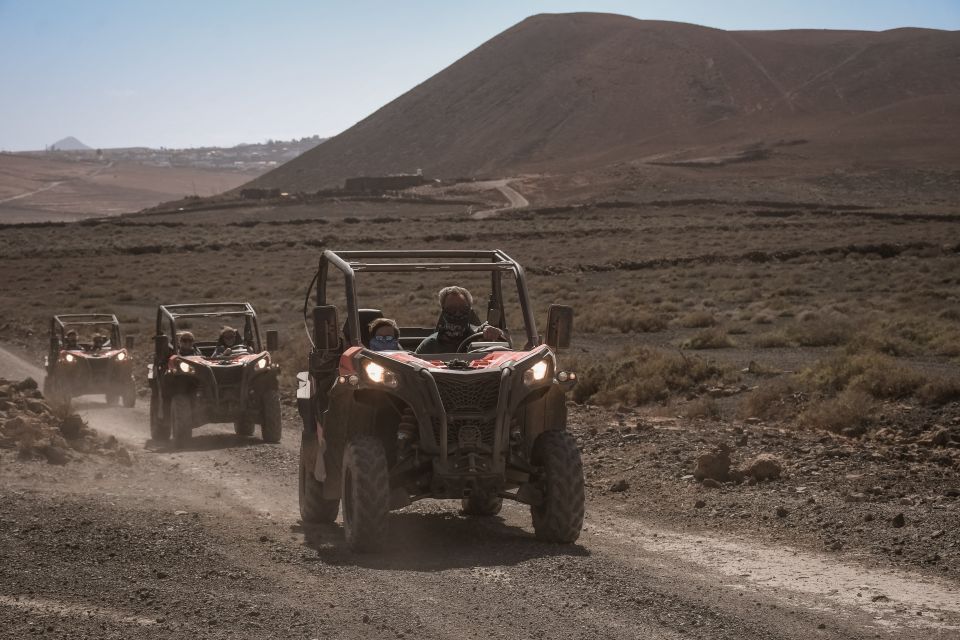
(349, 263)
(170, 313)
(58, 324)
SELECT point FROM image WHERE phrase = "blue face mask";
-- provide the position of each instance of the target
(384, 343)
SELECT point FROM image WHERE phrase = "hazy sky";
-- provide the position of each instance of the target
(181, 73)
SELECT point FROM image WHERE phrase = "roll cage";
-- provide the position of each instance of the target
(60, 323)
(350, 263)
(169, 314)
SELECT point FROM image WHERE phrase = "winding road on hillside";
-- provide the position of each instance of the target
(254, 570)
(514, 198)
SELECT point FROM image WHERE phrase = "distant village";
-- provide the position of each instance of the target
(252, 158)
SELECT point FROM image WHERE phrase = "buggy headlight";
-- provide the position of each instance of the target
(378, 374)
(69, 357)
(536, 373)
(263, 362)
(185, 367)
(121, 356)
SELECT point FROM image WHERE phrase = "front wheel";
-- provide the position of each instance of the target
(181, 419)
(130, 395)
(559, 517)
(243, 427)
(159, 425)
(272, 427)
(111, 399)
(366, 494)
(314, 508)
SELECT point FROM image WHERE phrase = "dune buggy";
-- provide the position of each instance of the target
(490, 419)
(87, 355)
(237, 385)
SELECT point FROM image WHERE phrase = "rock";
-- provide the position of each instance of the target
(123, 457)
(27, 384)
(764, 467)
(941, 438)
(55, 455)
(619, 485)
(699, 504)
(898, 521)
(868, 517)
(710, 483)
(71, 426)
(36, 406)
(937, 534)
(880, 598)
(855, 497)
(714, 465)
(782, 512)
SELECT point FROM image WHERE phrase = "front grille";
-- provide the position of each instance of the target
(470, 401)
(228, 376)
(98, 367)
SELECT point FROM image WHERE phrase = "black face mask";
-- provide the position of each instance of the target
(453, 325)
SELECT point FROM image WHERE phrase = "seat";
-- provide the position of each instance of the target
(366, 316)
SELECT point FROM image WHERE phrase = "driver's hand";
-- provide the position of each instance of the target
(492, 334)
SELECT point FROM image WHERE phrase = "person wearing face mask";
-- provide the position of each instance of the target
(454, 325)
(384, 335)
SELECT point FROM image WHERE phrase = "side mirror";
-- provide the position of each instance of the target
(326, 335)
(162, 346)
(129, 343)
(273, 340)
(559, 326)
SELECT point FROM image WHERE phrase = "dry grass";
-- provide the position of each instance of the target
(643, 375)
(850, 413)
(712, 338)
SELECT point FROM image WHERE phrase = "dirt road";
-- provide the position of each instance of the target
(514, 198)
(207, 543)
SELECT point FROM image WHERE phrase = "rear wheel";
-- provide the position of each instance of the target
(272, 427)
(314, 508)
(130, 395)
(481, 504)
(559, 517)
(159, 426)
(366, 494)
(243, 427)
(181, 419)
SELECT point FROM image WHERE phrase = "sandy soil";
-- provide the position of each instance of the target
(38, 189)
(207, 542)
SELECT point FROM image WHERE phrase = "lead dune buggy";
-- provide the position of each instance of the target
(490, 418)
(190, 391)
(86, 367)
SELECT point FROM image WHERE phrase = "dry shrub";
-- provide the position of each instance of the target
(775, 400)
(939, 391)
(643, 375)
(621, 319)
(713, 338)
(706, 408)
(874, 370)
(697, 320)
(772, 340)
(849, 413)
(815, 331)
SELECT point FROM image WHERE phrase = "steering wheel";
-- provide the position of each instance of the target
(462, 348)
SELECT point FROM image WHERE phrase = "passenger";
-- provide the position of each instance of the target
(98, 342)
(229, 340)
(186, 346)
(70, 342)
(454, 325)
(385, 335)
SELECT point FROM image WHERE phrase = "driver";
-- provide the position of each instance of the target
(70, 343)
(454, 323)
(229, 340)
(186, 345)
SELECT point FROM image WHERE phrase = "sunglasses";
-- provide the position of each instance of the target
(384, 338)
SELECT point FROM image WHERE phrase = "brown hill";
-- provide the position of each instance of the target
(574, 91)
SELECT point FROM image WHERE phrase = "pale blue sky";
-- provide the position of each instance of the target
(181, 73)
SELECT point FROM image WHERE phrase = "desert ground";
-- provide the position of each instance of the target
(39, 188)
(812, 322)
